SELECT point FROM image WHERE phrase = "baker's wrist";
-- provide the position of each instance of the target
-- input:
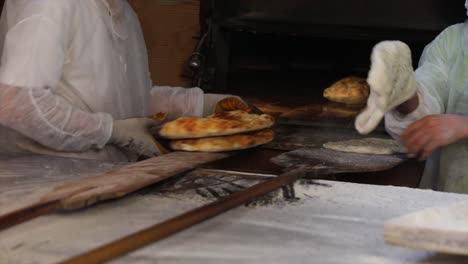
(409, 106)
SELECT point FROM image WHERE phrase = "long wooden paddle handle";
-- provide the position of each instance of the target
(28, 213)
(169, 227)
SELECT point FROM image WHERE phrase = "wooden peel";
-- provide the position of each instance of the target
(333, 161)
(110, 185)
(130, 178)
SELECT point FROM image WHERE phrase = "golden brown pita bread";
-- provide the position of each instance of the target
(231, 104)
(159, 116)
(225, 143)
(350, 90)
(219, 124)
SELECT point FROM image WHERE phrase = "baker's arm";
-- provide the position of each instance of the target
(431, 85)
(418, 107)
(51, 120)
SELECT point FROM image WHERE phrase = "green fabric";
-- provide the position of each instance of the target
(443, 73)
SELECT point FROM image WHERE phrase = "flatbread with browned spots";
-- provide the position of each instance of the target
(350, 90)
(225, 143)
(219, 124)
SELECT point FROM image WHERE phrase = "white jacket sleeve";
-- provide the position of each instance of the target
(51, 120)
(432, 84)
(35, 41)
(182, 102)
(177, 101)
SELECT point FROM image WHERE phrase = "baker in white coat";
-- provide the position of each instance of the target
(74, 81)
(427, 109)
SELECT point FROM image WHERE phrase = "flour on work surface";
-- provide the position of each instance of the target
(378, 146)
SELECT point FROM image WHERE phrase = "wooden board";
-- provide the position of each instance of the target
(443, 230)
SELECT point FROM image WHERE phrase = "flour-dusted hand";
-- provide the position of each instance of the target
(134, 135)
(392, 82)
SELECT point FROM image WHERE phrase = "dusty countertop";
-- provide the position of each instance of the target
(331, 222)
(24, 178)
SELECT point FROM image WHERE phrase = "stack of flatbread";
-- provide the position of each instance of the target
(225, 131)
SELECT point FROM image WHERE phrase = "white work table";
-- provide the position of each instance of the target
(332, 222)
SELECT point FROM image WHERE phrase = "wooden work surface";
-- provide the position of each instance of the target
(331, 222)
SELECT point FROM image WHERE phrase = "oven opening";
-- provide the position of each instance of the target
(285, 75)
(281, 56)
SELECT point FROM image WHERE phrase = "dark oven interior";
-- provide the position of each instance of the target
(283, 54)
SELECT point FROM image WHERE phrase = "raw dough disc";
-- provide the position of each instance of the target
(378, 146)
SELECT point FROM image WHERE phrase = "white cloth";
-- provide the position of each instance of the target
(68, 69)
(391, 80)
(442, 85)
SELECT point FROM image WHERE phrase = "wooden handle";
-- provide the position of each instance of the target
(20, 216)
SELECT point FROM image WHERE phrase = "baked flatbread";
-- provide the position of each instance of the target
(350, 90)
(219, 124)
(378, 146)
(225, 143)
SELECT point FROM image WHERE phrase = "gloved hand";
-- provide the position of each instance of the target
(133, 134)
(218, 103)
(392, 82)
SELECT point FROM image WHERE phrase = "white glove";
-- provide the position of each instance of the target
(392, 82)
(134, 135)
